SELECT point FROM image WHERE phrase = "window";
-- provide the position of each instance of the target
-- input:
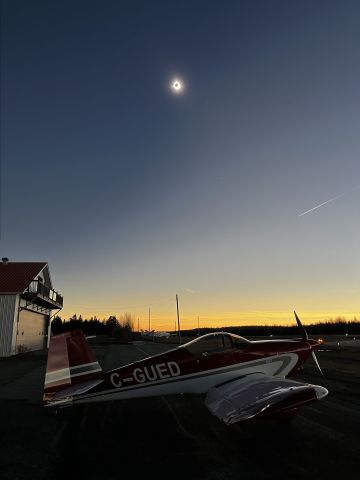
(213, 343)
(228, 344)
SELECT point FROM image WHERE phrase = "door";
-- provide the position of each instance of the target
(32, 331)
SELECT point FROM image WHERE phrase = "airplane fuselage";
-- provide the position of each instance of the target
(182, 370)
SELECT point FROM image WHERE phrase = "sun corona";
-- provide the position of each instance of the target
(177, 86)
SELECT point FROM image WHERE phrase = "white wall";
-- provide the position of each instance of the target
(8, 324)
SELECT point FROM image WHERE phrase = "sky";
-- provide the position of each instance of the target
(134, 194)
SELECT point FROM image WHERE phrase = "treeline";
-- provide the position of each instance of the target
(121, 328)
(339, 326)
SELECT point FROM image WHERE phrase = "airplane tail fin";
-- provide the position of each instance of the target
(70, 361)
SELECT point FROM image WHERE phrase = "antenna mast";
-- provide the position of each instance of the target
(178, 317)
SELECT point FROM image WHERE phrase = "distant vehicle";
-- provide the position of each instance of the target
(242, 379)
(162, 334)
(154, 334)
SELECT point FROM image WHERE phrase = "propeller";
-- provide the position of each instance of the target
(300, 325)
(316, 361)
(306, 337)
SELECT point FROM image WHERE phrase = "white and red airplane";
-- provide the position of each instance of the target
(242, 379)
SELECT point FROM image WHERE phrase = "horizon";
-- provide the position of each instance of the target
(189, 324)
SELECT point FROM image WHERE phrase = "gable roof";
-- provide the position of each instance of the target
(16, 276)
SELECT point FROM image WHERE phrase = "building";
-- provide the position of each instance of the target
(27, 304)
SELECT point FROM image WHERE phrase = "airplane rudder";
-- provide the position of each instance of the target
(70, 361)
(83, 364)
(57, 367)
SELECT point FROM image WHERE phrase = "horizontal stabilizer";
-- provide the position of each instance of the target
(76, 389)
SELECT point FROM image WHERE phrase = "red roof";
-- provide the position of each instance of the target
(16, 276)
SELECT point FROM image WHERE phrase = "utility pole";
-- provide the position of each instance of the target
(138, 325)
(178, 317)
(198, 328)
(149, 320)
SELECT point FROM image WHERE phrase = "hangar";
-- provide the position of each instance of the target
(27, 302)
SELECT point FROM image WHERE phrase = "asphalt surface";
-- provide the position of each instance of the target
(176, 437)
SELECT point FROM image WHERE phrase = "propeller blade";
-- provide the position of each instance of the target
(316, 361)
(300, 325)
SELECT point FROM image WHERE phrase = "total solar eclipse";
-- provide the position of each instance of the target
(177, 86)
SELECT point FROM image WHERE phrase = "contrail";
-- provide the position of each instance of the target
(188, 290)
(321, 204)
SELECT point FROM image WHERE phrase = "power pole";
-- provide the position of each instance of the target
(149, 320)
(138, 325)
(198, 328)
(178, 317)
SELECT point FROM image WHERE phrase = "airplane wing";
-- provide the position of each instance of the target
(259, 395)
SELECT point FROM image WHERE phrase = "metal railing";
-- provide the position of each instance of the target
(46, 292)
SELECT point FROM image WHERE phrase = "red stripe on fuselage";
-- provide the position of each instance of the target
(180, 362)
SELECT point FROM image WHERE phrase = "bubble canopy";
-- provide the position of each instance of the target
(216, 343)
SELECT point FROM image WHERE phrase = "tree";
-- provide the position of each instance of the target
(127, 323)
(56, 325)
(113, 325)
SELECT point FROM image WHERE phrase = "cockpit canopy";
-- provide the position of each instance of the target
(216, 343)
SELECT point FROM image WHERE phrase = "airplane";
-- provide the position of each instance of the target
(242, 379)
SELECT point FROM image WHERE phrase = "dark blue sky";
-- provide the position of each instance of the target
(132, 193)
